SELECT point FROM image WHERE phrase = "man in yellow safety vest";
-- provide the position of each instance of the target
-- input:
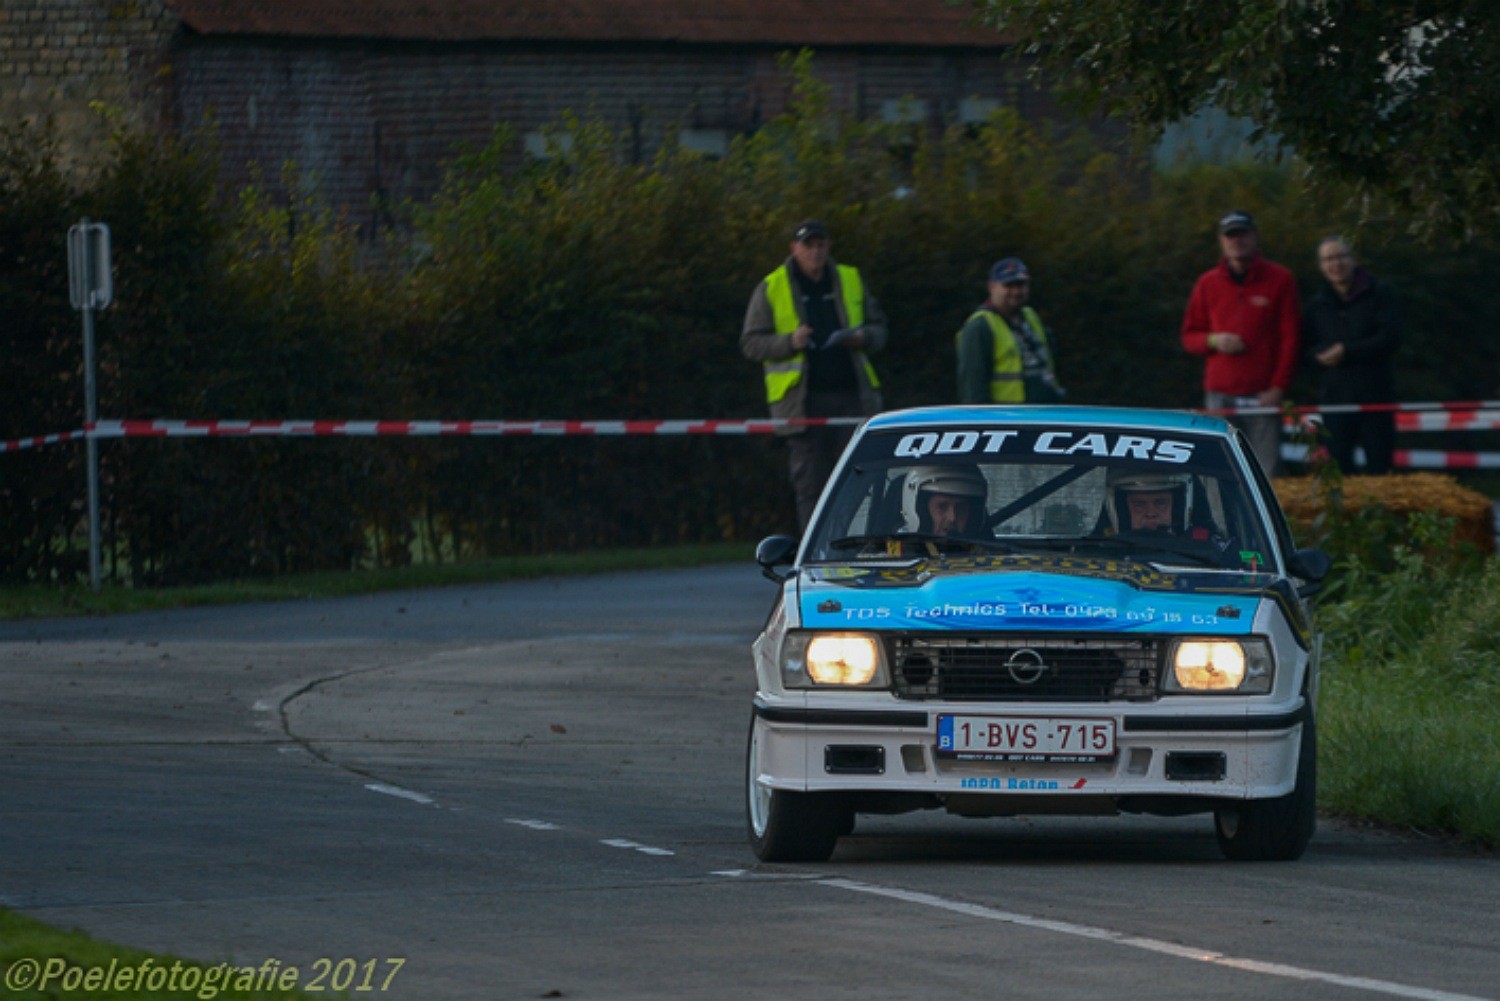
(811, 324)
(1004, 349)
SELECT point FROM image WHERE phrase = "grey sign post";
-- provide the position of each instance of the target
(90, 287)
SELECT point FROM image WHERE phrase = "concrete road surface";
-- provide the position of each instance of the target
(534, 790)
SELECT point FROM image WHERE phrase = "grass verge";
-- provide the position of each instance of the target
(39, 962)
(38, 601)
(1409, 713)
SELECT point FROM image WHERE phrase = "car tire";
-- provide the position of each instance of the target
(1275, 830)
(788, 826)
(846, 823)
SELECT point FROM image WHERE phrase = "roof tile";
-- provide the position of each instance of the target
(777, 22)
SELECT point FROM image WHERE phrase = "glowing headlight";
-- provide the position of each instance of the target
(848, 660)
(842, 660)
(1220, 666)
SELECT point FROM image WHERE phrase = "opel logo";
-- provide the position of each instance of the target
(1026, 666)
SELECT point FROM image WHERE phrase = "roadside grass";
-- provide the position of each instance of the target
(39, 962)
(44, 601)
(1409, 714)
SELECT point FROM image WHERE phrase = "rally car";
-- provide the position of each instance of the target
(1026, 610)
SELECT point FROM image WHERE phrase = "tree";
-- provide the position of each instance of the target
(1395, 97)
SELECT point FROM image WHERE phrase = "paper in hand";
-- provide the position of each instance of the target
(838, 337)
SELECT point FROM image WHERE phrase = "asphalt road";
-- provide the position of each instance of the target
(534, 790)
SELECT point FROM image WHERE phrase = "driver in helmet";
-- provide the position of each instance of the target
(945, 501)
(1150, 502)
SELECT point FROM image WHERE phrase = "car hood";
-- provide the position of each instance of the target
(1066, 594)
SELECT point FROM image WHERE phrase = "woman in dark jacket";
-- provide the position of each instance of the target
(1351, 327)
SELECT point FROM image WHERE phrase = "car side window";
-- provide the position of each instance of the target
(856, 510)
(1279, 526)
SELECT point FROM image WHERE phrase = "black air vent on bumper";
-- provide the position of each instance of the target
(1195, 766)
(854, 759)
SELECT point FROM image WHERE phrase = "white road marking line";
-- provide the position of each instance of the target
(535, 825)
(415, 797)
(636, 845)
(262, 706)
(1149, 944)
(770, 877)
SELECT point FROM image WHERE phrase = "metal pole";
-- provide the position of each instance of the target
(90, 415)
(90, 287)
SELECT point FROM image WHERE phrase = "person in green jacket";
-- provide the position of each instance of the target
(1004, 349)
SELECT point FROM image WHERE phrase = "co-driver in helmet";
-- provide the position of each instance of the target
(1150, 502)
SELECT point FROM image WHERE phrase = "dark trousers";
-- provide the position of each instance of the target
(815, 451)
(1374, 432)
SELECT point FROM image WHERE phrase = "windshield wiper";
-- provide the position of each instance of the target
(941, 542)
(1148, 546)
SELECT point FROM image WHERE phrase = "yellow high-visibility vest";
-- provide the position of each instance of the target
(1006, 376)
(781, 376)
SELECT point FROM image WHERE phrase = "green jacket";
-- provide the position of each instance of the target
(997, 366)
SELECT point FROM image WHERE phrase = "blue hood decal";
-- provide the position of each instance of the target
(1023, 600)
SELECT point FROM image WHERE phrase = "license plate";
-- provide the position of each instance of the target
(1025, 738)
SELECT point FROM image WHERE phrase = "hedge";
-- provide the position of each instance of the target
(581, 288)
(1308, 501)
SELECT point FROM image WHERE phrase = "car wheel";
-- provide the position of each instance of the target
(1275, 830)
(788, 826)
(846, 823)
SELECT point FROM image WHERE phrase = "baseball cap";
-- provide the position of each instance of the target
(1238, 219)
(807, 229)
(1012, 269)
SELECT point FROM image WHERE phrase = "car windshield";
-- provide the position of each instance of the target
(1164, 497)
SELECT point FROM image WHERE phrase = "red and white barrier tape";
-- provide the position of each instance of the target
(18, 444)
(1432, 420)
(1458, 416)
(1413, 458)
(1468, 420)
(1451, 406)
(404, 429)
(1424, 459)
(376, 429)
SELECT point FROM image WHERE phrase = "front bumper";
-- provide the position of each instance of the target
(1219, 752)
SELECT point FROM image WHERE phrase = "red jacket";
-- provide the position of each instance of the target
(1265, 311)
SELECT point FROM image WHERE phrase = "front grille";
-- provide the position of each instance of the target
(1020, 668)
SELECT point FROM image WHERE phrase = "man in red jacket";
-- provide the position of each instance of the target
(1244, 316)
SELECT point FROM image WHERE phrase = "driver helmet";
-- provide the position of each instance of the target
(1123, 482)
(963, 481)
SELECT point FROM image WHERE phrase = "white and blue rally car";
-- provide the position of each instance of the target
(1026, 610)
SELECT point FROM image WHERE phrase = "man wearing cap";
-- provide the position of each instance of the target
(811, 324)
(1004, 350)
(1244, 316)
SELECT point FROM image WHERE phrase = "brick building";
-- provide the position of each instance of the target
(370, 97)
(87, 65)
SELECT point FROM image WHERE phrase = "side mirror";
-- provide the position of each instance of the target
(1312, 565)
(775, 551)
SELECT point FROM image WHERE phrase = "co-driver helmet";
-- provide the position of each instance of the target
(1122, 482)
